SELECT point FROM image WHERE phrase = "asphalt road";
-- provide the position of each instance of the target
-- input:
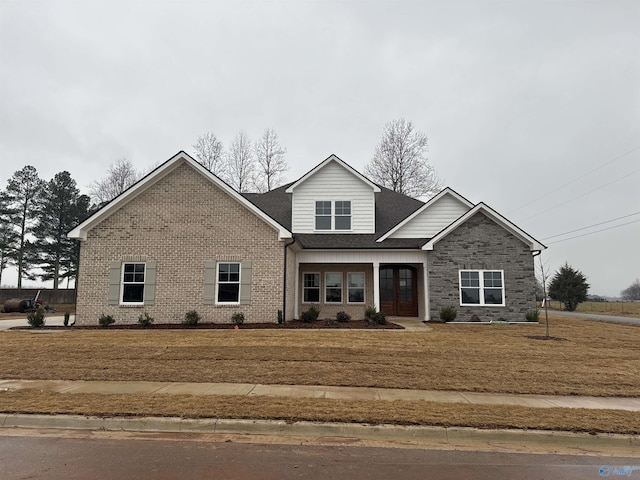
(593, 316)
(116, 455)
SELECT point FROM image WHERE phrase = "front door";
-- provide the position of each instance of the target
(398, 291)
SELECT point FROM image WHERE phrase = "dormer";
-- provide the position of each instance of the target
(333, 198)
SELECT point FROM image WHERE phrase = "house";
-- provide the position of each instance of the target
(181, 239)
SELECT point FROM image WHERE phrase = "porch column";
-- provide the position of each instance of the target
(376, 285)
(425, 274)
(297, 290)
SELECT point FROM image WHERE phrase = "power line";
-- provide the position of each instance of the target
(583, 194)
(591, 226)
(591, 233)
(576, 179)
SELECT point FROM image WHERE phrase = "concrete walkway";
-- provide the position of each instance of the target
(321, 391)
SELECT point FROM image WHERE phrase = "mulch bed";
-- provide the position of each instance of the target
(293, 324)
(544, 337)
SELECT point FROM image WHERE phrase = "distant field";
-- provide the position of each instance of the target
(623, 309)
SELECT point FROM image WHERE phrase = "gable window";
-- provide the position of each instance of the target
(323, 215)
(343, 215)
(311, 287)
(481, 287)
(355, 287)
(228, 283)
(333, 287)
(333, 215)
(133, 283)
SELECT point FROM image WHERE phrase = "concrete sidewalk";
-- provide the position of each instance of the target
(320, 391)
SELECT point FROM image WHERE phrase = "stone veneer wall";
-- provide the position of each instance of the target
(181, 222)
(482, 244)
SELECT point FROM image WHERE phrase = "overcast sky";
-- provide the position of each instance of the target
(532, 107)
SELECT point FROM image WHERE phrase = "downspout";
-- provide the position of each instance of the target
(284, 280)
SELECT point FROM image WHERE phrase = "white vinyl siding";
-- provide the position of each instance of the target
(433, 219)
(333, 183)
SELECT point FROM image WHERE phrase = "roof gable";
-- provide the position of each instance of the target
(181, 158)
(447, 192)
(534, 245)
(332, 159)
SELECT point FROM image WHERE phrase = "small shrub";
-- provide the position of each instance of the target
(105, 320)
(474, 318)
(370, 312)
(238, 318)
(343, 317)
(145, 320)
(380, 318)
(310, 315)
(36, 319)
(448, 314)
(66, 319)
(280, 317)
(191, 318)
(532, 315)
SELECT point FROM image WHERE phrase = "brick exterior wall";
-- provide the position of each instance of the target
(329, 310)
(482, 244)
(181, 222)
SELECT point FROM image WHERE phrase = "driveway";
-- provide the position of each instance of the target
(593, 316)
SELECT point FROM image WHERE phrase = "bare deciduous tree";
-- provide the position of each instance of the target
(399, 162)
(240, 163)
(633, 292)
(271, 164)
(120, 176)
(209, 152)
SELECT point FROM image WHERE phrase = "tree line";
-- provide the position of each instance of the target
(36, 215)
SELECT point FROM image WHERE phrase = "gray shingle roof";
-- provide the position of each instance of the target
(391, 209)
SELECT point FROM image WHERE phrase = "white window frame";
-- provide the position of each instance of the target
(319, 287)
(218, 282)
(364, 288)
(333, 215)
(481, 288)
(342, 215)
(323, 215)
(326, 287)
(123, 283)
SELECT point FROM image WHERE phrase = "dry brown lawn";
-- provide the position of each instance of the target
(323, 410)
(594, 359)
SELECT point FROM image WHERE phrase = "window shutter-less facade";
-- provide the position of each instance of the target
(150, 283)
(115, 269)
(209, 294)
(245, 283)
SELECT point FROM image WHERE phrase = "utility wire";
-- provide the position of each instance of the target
(591, 233)
(591, 226)
(576, 179)
(582, 195)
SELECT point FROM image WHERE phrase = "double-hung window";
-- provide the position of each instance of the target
(323, 215)
(133, 283)
(482, 287)
(311, 287)
(333, 287)
(343, 215)
(355, 287)
(333, 215)
(228, 283)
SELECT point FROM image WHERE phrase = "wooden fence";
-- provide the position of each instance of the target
(62, 295)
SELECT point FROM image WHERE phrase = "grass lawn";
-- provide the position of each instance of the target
(593, 359)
